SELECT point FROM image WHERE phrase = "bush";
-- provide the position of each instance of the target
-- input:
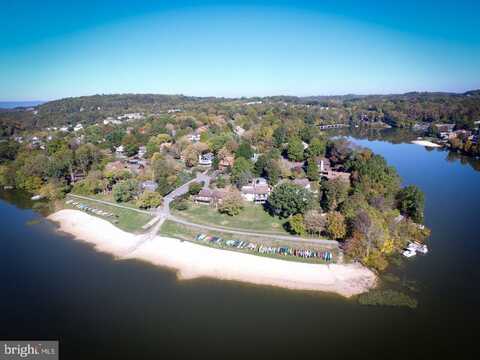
(232, 204)
(195, 187)
(387, 298)
(124, 190)
(149, 199)
(180, 203)
(296, 225)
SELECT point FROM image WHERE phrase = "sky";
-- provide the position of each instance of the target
(55, 49)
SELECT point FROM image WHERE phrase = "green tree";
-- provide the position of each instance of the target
(244, 150)
(272, 172)
(241, 171)
(334, 193)
(296, 225)
(411, 202)
(312, 170)
(317, 147)
(149, 199)
(125, 190)
(288, 199)
(295, 149)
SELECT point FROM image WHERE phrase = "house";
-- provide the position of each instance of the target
(332, 175)
(115, 166)
(209, 196)
(304, 183)
(323, 164)
(78, 127)
(142, 150)
(444, 130)
(239, 131)
(257, 191)
(226, 163)
(205, 159)
(119, 151)
(131, 116)
(149, 185)
(137, 166)
(193, 138)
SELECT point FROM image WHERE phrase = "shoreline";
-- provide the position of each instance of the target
(426, 143)
(191, 260)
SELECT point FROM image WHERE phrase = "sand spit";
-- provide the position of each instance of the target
(193, 261)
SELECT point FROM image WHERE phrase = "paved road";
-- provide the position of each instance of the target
(163, 213)
(110, 204)
(248, 233)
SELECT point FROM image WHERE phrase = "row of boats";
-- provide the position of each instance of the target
(272, 250)
(413, 248)
(84, 207)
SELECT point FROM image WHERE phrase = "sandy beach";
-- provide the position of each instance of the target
(192, 261)
(425, 143)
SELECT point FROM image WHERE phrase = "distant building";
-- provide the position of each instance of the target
(78, 127)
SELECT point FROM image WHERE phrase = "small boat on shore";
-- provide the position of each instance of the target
(416, 246)
(37, 197)
(409, 253)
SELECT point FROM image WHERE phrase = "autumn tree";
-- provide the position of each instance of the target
(336, 227)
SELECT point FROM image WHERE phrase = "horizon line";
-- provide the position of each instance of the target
(249, 97)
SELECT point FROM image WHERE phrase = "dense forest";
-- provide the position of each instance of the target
(404, 111)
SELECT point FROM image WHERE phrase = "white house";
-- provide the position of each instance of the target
(256, 191)
(205, 159)
(78, 127)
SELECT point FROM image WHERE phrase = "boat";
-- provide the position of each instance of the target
(416, 246)
(37, 197)
(409, 253)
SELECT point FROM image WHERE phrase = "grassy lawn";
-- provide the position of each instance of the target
(109, 198)
(125, 219)
(252, 218)
(183, 232)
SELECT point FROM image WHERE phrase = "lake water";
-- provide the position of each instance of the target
(14, 104)
(99, 308)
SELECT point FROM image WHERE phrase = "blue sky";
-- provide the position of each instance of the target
(54, 49)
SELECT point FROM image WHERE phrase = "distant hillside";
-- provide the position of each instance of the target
(397, 109)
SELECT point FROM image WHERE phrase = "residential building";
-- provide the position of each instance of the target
(226, 163)
(205, 159)
(256, 191)
(304, 183)
(149, 185)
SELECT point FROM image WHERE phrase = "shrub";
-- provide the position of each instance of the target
(194, 188)
(149, 199)
(387, 298)
(232, 204)
(296, 225)
(124, 190)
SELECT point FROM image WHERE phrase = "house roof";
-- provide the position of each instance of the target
(301, 182)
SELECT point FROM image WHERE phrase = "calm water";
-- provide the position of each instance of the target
(14, 104)
(56, 288)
